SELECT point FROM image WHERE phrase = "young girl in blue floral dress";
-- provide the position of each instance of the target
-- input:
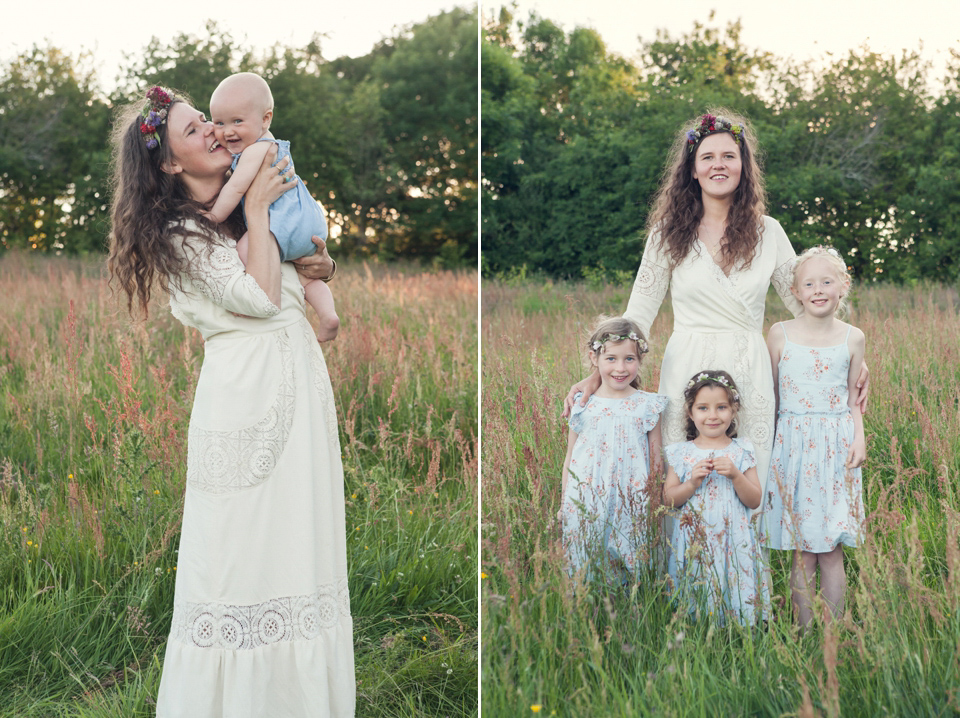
(814, 504)
(715, 562)
(612, 469)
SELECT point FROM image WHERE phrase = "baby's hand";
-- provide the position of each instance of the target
(724, 466)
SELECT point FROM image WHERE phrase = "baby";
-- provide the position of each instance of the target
(241, 109)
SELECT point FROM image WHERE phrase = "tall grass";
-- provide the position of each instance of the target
(93, 415)
(555, 648)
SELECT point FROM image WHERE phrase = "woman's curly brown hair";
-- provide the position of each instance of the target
(149, 206)
(678, 205)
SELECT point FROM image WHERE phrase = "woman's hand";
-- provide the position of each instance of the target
(863, 384)
(588, 386)
(271, 181)
(318, 265)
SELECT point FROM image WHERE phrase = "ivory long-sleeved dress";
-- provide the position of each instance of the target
(717, 324)
(261, 619)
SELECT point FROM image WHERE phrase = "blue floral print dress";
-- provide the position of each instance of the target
(606, 508)
(813, 502)
(716, 563)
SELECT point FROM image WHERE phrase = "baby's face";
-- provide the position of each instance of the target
(237, 120)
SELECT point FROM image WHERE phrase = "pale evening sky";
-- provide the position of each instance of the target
(801, 30)
(108, 28)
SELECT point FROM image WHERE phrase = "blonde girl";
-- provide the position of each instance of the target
(814, 502)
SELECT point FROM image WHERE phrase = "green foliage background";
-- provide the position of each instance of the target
(863, 154)
(387, 141)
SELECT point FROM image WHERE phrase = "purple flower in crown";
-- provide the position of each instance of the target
(152, 143)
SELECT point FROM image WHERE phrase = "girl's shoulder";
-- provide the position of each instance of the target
(679, 451)
(645, 403)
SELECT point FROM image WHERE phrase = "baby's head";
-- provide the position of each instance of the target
(241, 109)
(617, 336)
(711, 396)
(821, 281)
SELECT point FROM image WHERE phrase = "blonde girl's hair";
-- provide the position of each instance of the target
(710, 377)
(678, 205)
(835, 260)
(618, 329)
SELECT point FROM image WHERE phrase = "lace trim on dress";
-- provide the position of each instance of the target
(652, 280)
(782, 281)
(220, 462)
(240, 628)
(321, 380)
(211, 278)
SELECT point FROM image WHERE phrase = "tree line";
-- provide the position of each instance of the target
(386, 141)
(862, 153)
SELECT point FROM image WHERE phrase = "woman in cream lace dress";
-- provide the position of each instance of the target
(261, 619)
(712, 246)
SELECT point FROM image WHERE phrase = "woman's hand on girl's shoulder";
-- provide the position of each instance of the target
(587, 387)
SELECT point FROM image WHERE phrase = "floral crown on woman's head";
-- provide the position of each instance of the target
(598, 344)
(711, 125)
(154, 114)
(717, 379)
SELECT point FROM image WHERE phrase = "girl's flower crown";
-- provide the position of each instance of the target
(716, 379)
(711, 125)
(154, 114)
(598, 344)
(819, 249)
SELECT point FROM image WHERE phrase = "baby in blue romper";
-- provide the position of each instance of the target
(241, 109)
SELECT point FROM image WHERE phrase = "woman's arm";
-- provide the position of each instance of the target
(251, 159)
(263, 254)
(649, 287)
(858, 450)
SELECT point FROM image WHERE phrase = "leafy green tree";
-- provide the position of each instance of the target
(53, 153)
(429, 97)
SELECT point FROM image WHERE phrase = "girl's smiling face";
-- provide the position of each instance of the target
(618, 364)
(818, 287)
(717, 165)
(712, 412)
(238, 120)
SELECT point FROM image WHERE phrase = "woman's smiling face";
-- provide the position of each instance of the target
(717, 165)
(194, 148)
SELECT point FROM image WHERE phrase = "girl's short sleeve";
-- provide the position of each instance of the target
(577, 419)
(653, 406)
(675, 454)
(748, 458)
(215, 271)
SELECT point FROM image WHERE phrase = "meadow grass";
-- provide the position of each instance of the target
(93, 416)
(552, 647)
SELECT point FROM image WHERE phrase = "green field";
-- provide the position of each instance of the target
(553, 650)
(93, 415)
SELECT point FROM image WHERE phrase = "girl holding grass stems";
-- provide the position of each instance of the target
(715, 564)
(261, 618)
(814, 501)
(713, 247)
(613, 456)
